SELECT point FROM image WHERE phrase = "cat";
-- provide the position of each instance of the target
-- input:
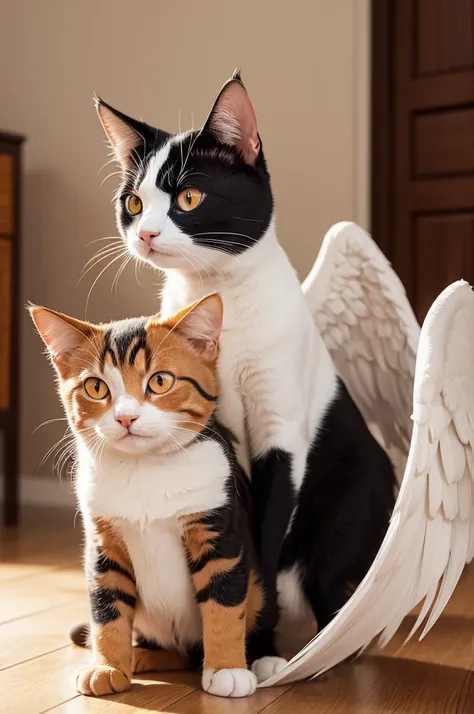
(169, 550)
(199, 207)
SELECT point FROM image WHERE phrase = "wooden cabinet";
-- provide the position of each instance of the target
(10, 198)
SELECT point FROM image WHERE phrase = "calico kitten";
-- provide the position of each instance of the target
(168, 547)
(199, 207)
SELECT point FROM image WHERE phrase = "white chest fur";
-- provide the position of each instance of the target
(167, 611)
(145, 496)
(276, 376)
(148, 488)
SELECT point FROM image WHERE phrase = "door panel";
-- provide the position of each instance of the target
(432, 97)
(431, 234)
(444, 36)
(443, 142)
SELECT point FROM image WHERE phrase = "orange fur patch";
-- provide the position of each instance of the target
(198, 537)
(224, 635)
(157, 661)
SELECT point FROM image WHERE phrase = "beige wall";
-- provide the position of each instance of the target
(303, 64)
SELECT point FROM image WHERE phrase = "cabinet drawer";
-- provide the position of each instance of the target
(6, 194)
(5, 317)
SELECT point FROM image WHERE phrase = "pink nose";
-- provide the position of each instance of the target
(125, 420)
(147, 236)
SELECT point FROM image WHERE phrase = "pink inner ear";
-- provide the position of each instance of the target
(234, 121)
(122, 137)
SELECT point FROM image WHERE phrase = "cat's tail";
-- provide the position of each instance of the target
(80, 634)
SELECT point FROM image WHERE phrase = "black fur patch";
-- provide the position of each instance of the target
(227, 589)
(105, 564)
(196, 385)
(274, 499)
(107, 351)
(118, 342)
(103, 604)
(343, 509)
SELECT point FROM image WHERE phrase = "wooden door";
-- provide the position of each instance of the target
(427, 171)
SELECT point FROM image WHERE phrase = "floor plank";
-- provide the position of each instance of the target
(145, 694)
(158, 695)
(44, 591)
(374, 685)
(29, 637)
(41, 683)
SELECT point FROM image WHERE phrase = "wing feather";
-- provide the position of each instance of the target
(361, 310)
(431, 534)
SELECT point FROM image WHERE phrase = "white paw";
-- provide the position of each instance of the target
(229, 682)
(266, 667)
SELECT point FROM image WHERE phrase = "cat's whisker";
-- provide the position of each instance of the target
(196, 270)
(102, 250)
(114, 173)
(176, 444)
(190, 421)
(250, 220)
(180, 143)
(67, 436)
(62, 459)
(200, 261)
(45, 423)
(225, 242)
(190, 148)
(99, 240)
(224, 233)
(109, 251)
(191, 173)
(110, 161)
(118, 275)
(114, 260)
(99, 257)
(138, 265)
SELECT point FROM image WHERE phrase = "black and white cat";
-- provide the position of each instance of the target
(199, 206)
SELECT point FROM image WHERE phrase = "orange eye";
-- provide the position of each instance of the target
(96, 388)
(189, 198)
(133, 205)
(161, 382)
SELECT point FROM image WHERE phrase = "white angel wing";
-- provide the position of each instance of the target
(431, 534)
(364, 317)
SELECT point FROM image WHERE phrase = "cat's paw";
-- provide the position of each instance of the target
(229, 682)
(266, 667)
(143, 660)
(99, 679)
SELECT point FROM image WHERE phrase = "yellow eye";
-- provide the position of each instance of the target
(96, 388)
(189, 199)
(133, 205)
(161, 382)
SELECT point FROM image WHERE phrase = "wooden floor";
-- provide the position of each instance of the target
(42, 593)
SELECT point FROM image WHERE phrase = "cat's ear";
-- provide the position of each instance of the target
(232, 120)
(60, 333)
(201, 324)
(125, 134)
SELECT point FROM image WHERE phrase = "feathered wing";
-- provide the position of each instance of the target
(364, 317)
(431, 534)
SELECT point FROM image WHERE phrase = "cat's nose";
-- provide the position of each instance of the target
(147, 236)
(125, 421)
